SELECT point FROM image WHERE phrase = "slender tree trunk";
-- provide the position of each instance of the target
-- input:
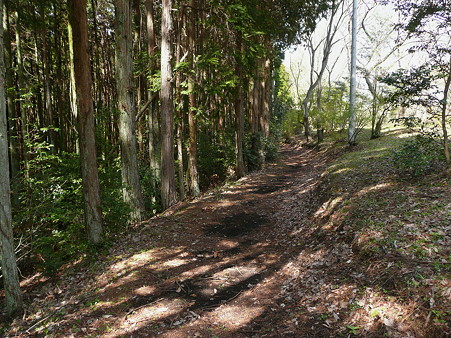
(72, 88)
(13, 294)
(168, 190)
(352, 131)
(444, 108)
(180, 158)
(266, 96)
(154, 125)
(239, 111)
(192, 122)
(97, 91)
(20, 90)
(83, 81)
(178, 99)
(11, 104)
(257, 115)
(47, 90)
(131, 188)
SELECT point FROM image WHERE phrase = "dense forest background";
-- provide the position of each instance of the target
(117, 110)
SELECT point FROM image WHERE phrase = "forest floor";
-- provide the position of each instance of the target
(326, 242)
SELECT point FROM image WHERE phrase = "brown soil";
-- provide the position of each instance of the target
(243, 261)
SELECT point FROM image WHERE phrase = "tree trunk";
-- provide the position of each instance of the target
(47, 61)
(11, 104)
(443, 119)
(168, 190)
(239, 112)
(192, 123)
(179, 104)
(266, 95)
(131, 188)
(88, 159)
(13, 294)
(154, 125)
(72, 88)
(352, 131)
(20, 90)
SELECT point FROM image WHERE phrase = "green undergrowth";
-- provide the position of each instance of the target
(397, 224)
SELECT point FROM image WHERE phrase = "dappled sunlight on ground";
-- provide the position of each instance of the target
(294, 250)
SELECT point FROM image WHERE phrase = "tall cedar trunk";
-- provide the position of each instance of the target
(168, 190)
(131, 188)
(239, 111)
(97, 91)
(46, 57)
(83, 81)
(179, 110)
(13, 294)
(72, 88)
(154, 125)
(21, 88)
(11, 104)
(192, 123)
(257, 115)
(61, 139)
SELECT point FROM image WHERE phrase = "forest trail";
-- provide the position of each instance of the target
(221, 265)
(255, 258)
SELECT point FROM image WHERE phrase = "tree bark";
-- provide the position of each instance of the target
(131, 188)
(352, 130)
(192, 122)
(21, 87)
(47, 61)
(13, 294)
(168, 190)
(88, 159)
(266, 96)
(239, 111)
(11, 104)
(443, 117)
(154, 123)
(179, 103)
(72, 87)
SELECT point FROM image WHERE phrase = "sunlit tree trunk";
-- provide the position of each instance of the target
(72, 87)
(83, 82)
(352, 131)
(131, 188)
(179, 103)
(168, 190)
(266, 96)
(13, 294)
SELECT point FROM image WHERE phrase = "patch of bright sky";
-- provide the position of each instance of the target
(379, 20)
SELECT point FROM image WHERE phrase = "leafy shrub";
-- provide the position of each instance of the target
(270, 148)
(49, 217)
(252, 151)
(150, 184)
(418, 156)
(215, 157)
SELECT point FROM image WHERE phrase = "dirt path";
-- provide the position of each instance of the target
(236, 263)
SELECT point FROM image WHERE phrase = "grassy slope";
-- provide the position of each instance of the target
(400, 232)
